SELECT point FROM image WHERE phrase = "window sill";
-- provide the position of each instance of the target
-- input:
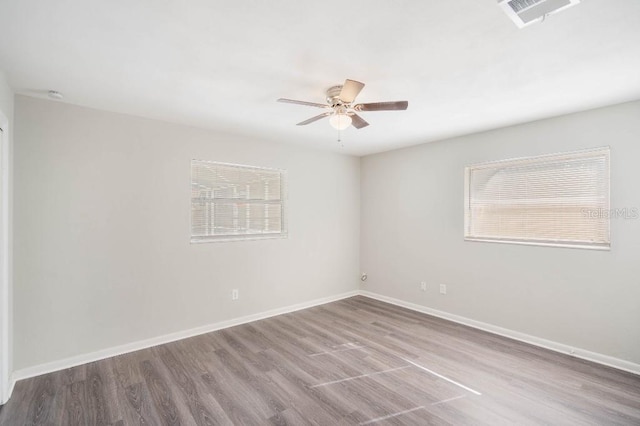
(229, 238)
(600, 247)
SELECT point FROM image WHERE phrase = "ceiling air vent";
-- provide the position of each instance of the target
(527, 12)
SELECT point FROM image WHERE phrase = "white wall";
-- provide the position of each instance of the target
(102, 252)
(6, 96)
(412, 231)
(6, 290)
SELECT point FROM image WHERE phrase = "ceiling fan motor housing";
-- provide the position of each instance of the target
(333, 96)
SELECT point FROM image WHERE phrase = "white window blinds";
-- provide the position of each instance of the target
(230, 202)
(560, 199)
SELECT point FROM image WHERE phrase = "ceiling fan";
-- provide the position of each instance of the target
(340, 109)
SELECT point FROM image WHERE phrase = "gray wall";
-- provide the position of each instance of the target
(102, 253)
(412, 231)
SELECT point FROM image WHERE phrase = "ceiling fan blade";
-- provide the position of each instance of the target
(382, 106)
(357, 121)
(293, 101)
(350, 90)
(312, 119)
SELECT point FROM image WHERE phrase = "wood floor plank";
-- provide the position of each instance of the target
(186, 386)
(137, 407)
(161, 395)
(265, 402)
(232, 400)
(75, 410)
(42, 400)
(126, 368)
(302, 400)
(73, 375)
(131, 394)
(290, 417)
(355, 361)
(98, 398)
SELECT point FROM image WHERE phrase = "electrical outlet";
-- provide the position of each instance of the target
(443, 289)
(235, 294)
(423, 286)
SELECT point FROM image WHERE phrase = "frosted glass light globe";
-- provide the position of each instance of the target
(340, 121)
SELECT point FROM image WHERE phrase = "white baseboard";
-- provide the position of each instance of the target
(526, 338)
(74, 361)
(147, 343)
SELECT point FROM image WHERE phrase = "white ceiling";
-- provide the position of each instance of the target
(463, 65)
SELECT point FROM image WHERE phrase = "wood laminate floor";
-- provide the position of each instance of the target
(356, 361)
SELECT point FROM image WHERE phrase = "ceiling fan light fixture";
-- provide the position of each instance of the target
(340, 121)
(340, 109)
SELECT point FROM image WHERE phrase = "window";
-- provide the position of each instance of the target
(559, 200)
(232, 202)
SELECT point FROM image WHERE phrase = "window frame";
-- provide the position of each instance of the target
(243, 237)
(571, 155)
